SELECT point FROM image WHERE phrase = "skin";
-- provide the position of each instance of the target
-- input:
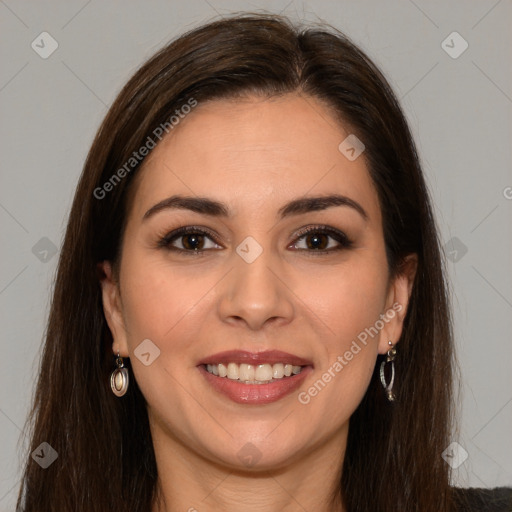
(254, 155)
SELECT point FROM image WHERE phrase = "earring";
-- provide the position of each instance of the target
(119, 378)
(390, 358)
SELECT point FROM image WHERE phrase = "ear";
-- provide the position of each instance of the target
(397, 301)
(112, 307)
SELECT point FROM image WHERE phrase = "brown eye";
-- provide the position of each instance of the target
(189, 240)
(317, 241)
(193, 241)
(321, 240)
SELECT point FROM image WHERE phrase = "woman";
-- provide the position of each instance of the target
(250, 308)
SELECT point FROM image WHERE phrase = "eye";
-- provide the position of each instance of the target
(189, 240)
(321, 239)
(195, 241)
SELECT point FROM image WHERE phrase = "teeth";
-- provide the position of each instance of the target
(263, 372)
(246, 372)
(253, 374)
(278, 371)
(213, 368)
(233, 371)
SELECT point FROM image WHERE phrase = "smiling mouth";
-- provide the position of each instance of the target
(253, 373)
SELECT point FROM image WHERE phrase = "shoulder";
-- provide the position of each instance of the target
(498, 499)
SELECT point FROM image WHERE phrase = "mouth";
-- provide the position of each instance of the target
(254, 378)
(253, 374)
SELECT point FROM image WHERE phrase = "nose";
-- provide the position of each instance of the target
(256, 293)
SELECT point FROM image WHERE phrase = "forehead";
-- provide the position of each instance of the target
(246, 152)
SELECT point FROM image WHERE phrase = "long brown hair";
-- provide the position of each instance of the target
(105, 455)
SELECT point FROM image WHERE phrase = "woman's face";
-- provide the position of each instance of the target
(247, 278)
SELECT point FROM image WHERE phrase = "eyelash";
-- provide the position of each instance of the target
(339, 236)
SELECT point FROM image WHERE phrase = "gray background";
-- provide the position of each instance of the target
(459, 111)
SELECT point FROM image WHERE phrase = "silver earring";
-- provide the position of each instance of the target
(390, 358)
(119, 378)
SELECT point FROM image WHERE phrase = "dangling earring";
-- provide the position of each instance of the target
(390, 358)
(119, 378)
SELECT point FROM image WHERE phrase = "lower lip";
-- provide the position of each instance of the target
(255, 393)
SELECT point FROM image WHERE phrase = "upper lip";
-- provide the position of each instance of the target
(244, 356)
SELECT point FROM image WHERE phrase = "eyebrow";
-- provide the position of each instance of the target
(213, 208)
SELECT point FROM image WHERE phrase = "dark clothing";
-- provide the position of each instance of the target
(498, 499)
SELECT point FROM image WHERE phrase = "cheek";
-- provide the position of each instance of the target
(349, 305)
(165, 303)
(154, 298)
(151, 303)
(159, 300)
(348, 299)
